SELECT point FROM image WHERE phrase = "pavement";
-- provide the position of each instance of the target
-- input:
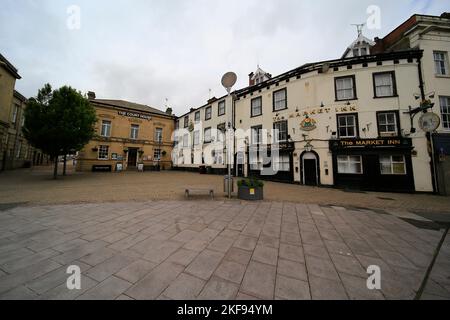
(172, 249)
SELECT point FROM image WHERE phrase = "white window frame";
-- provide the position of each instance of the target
(103, 152)
(444, 102)
(108, 125)
(158, 135)
(380, 86)
(390, 161)
(257, 132)
(441, 63)
(254, 107)
(283, 161)
(208, 113)
(196, 138)
(186, 140)
(387, 124)
(134, 134)
(342, 88)
(280, 103)
(277, 132)
(207, 138)
(348, 160)
(157, 154)
(197, 116)
(186, 122)
(346, 126)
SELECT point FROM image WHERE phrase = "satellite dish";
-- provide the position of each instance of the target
(229, 80)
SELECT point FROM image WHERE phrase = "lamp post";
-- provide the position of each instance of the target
(228, 81)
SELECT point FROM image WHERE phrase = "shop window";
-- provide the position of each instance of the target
(280, 100)
(256, 107)
(106, 128)
(221, 108)
(392, 165)
(280, 131)
(445, 111)
(345, 88)
(387, 124)
(347, 125)
(384, 84)
(103, 153)
(350, 164)
(134, 131)
(441, 62)
(208, 113)
(283, 162)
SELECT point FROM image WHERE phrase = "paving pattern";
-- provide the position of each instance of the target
(217, 250)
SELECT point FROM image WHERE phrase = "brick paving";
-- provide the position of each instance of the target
(216, 250)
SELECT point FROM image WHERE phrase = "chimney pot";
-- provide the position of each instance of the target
(169, 111)
(91, 95)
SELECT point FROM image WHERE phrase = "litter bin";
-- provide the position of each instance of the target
(225, 184)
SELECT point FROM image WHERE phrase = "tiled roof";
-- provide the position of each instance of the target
(128, 105)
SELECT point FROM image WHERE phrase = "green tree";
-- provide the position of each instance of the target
(59, 122)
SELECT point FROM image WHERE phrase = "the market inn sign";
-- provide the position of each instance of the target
(370, 143)
(134, 115)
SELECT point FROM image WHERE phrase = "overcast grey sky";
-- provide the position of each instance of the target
(145, 51)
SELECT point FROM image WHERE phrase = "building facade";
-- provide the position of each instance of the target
(15, 152)
(343, 123)
(128, 136)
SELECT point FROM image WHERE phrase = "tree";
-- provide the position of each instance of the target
(59, 122)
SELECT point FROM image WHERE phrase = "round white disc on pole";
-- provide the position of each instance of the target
(229, 80)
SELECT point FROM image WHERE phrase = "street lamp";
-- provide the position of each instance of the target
(228, 81)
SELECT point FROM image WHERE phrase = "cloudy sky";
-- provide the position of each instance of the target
(148, 50)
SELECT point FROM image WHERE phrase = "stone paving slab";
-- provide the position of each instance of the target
(217, 250)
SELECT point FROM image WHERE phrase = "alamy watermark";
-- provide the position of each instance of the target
(374, 279)
(73, 21)
(74, 280)
(374, 20)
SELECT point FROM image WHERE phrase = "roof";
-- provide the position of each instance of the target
(129, 105)
(361, 39)
(8, 66)
(19, 96)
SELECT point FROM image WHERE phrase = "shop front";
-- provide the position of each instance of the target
(383, 164)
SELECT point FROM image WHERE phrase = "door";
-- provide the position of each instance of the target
(132, 157)
(309, 169)
(239, 160)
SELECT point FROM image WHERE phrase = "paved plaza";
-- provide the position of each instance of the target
(218, 250)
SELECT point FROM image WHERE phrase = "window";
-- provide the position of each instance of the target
(221, 108)
(134, 131)
(384, 84)
(345, 88)
(445, 111)
(363, 51)
(255, 163)
(208, 113)
(103, 153)
(392, 165)
(186, 140)
(196, 138)
(221, 131)
(347, 126)
(283, 162)
(441, 62)
(207, 135)
(158, 135)
(356, 52)
(19, 149)
(257, 135)
(387, 124)
(280, 131)
(157, 154)
(186, 121)
(256, 107)
(197, 117)
(279, 100)
(15, 113)
(350, 164)
(106, 128)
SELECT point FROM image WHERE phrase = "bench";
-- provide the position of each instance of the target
(208, 191)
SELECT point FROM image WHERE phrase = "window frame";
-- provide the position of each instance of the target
(348, 162)
(445, 55)
(15, 114)
(196, 138)
(186, 140)
(154, 154)
(445, 115)
(137, 131)
(219, 107)
(160, 140)
(273, 100)
(355, 95)
(103, 125)
(277, 135)
(210, 135)
(392, 162)
(356, 125)
(394, 84)
(186, 122)
(100, 152)
(260, 134)
(199, 116)
(397, 123)
(208, 110)
(252, 115)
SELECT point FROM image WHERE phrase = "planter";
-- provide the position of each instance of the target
(250, 193)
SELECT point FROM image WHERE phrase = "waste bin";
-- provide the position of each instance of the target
(225, 184)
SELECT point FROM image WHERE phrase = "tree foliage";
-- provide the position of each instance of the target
(59, 122)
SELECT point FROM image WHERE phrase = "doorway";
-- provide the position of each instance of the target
(239, 161)
(310, 172)
(132, 158)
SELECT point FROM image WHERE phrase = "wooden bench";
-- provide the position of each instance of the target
(197, 190)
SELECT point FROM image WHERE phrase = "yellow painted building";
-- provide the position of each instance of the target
(128, 136)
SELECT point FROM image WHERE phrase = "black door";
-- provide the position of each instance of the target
(310, 172)
(132, 157)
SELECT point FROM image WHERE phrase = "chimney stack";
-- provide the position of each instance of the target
(251, 81)
(169, 111)
(91, 95)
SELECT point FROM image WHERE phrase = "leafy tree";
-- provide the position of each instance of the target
(59, 122)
